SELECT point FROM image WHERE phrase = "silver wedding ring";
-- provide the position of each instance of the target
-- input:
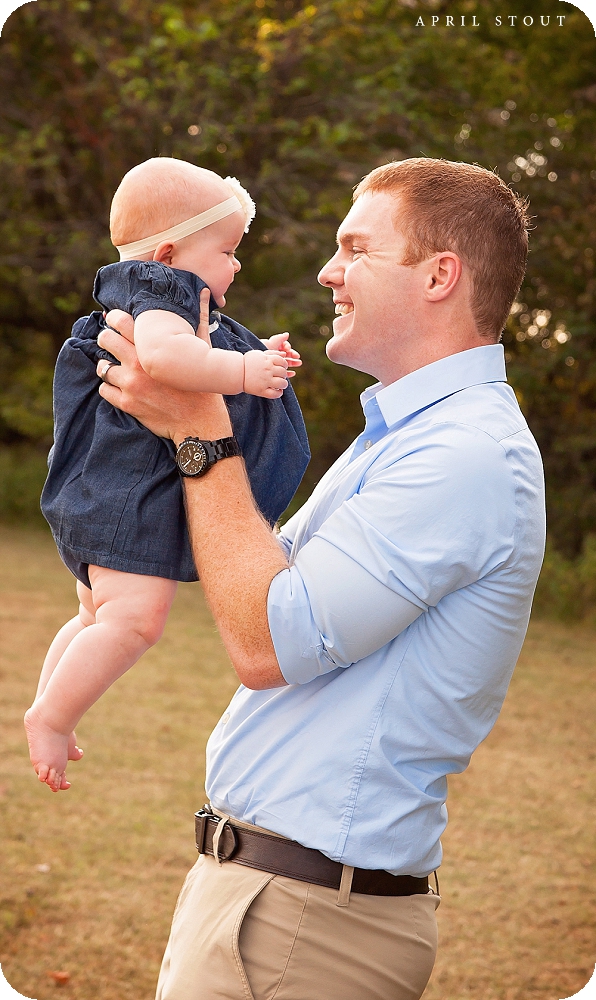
(104, 371)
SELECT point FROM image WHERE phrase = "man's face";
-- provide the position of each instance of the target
(376, 298)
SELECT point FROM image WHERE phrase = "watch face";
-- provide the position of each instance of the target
(192, 458)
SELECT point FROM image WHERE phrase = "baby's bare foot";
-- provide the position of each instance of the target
(49, 750)
(74, 752)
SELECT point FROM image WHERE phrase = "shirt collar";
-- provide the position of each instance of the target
(436, 381)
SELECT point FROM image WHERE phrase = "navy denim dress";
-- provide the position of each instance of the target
(113, 495)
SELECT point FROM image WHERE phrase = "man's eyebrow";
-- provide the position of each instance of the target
(348, 239)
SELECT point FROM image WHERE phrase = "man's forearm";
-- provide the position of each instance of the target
(236, 555)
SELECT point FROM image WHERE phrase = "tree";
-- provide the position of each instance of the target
(299, 101)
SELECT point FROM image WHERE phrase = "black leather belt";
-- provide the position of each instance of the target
(286, 857)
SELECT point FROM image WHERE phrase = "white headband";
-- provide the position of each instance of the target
(240, 201)
(225, 208)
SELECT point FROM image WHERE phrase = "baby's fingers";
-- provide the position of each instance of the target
(278, 383)
(278, 341)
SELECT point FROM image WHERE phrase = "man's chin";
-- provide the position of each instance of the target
(331, 348)
(339, 352)
(335, 350)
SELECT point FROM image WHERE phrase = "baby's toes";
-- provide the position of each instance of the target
(74, 752)
(54, 779)
(42, 771)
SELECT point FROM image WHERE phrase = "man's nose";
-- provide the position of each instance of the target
(332, 274)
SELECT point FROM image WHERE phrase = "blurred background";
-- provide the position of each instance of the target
(298, 101)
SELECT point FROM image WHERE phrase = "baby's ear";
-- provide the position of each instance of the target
(164, 253)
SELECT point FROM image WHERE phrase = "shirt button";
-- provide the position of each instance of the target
(225, 718)
(368, 444)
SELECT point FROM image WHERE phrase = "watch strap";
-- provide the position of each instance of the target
(223, 448)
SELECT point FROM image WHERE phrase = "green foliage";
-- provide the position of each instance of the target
(567, 587)
(299, 101)
(22, 474)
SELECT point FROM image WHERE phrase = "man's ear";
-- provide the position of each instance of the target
(164, 253)
(443, 275)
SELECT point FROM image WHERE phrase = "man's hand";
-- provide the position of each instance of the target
(167, 412)
(122, 322)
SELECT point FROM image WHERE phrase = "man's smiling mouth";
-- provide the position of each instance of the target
(343, 308)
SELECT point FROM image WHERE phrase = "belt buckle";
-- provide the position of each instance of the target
(201, 819)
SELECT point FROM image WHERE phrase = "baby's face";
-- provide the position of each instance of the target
(210, 254)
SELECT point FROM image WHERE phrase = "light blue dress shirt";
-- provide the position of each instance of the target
(398, 625)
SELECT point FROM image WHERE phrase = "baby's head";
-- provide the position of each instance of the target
(156, 197)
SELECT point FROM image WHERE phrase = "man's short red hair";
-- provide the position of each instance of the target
(468, 210)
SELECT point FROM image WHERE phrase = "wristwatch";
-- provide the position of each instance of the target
(195, 457)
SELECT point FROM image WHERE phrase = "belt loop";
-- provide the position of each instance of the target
(216, 838)
(345, 886)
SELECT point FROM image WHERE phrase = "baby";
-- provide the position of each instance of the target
(113, 496)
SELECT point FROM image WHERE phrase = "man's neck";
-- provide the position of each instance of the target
(428, 350)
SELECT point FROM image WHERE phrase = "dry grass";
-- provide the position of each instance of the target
(120, 841)
(518, 916)
(518, 919)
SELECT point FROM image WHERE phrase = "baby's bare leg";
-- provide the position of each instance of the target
(64, 637)
(60, 643)
(130, 614)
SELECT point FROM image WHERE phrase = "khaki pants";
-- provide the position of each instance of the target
(243, 934)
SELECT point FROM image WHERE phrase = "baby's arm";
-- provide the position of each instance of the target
(169, 352)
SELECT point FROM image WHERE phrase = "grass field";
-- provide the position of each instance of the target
(89, 877)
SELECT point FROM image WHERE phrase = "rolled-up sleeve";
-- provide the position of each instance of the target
(326, 611)
(417, 530)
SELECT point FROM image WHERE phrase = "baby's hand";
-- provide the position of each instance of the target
(281, 342)
(265, 373)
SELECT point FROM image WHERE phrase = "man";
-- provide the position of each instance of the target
(375, 638)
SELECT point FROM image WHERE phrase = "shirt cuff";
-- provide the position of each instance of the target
(298, 644)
